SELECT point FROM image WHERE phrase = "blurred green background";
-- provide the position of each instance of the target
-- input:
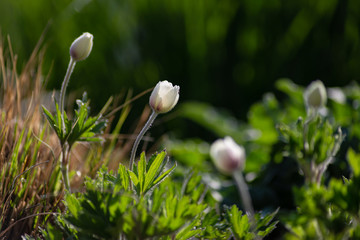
(224, 52)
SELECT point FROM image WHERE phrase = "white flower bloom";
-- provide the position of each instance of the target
(227, 155)
(81, 47)
(337, 94)
(315, 95)
(164, 97)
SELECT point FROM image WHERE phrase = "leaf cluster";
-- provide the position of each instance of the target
(147, 175)
(81, 128)
(158, 207)
(242, 226)
(312, 143)
(330, 212)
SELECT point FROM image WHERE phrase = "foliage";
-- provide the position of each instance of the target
(146, 176)
(328, 211)
(108, 208)
(243, 227)
(313, 143)
(81, 128)
(291, 148)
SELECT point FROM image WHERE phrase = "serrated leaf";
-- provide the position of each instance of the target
(72, 204)
(52, 233)
(150, 162)
(123, 176)
(188, 232)
(239, 224)
(268, 229)
(58, 118)
(49, 116)
(134, 178)
(154, 169)
(162, 176)
(141, 166)
(53, 124)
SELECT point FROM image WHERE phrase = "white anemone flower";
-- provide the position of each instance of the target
(227, 155)
(315, 95)
(164, 97)
(81, 47)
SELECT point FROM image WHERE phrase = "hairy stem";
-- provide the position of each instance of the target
(65, 154)
(244, 194)
(139, 137)
(65, 83)
(65, 149)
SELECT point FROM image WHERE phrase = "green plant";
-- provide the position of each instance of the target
(313, 143)
(82, 127)
(331, 211)
(108, 209)
(142, 202)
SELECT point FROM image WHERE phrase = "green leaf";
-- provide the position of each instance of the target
(49, 117)
(59, 121)
(240, 224)
(52, 233)
(163, 176)
(73, 204)
(134, 179)
(141, 167)
(123, 176)
(154, 169)
(354, 161)
(263, 225)
(189, 231)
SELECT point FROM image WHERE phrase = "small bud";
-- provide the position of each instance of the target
(81, 47)
(315, 95)
(164, 97)
(227, 155)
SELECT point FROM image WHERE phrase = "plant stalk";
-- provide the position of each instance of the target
(244, 194)
(65, 84)
(65, 166)
(139, 137)
(65, 147)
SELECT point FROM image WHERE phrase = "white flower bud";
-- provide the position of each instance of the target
(164, 97)
(315, 95)
(81, 47)
(227, 155)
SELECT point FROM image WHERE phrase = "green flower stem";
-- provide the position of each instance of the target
(139, 137)
(244, 194)
(65, 154)
(65, 83)
(65, 173)
(311, 171)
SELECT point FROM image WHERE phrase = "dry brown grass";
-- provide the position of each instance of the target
(28, 148)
